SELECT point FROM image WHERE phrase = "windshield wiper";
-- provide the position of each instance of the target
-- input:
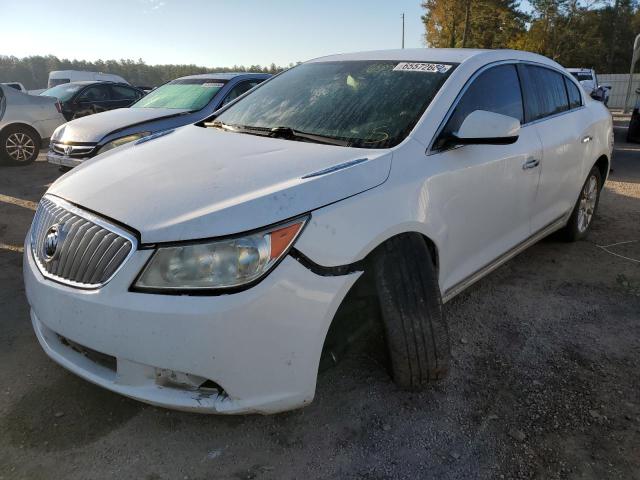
(291, 134)
(279, 132)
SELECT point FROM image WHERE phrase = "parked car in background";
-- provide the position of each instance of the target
(176, 103)
(17, 86)
(589, 81)
(79, 99)
(633, 132)
(60, 77)
(201, 269)
(26, 123)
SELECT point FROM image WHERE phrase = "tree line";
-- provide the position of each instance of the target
(591, 33)
(33, 71)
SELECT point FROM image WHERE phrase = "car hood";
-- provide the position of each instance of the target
(93, 128)
(200, 182)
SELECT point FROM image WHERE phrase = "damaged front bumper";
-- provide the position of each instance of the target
(253, 351)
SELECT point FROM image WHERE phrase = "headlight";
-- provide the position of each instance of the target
(219, 264)
(121, 141)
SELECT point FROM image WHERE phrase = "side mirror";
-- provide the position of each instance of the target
(487, 128)
(597, 95)
(606, 86)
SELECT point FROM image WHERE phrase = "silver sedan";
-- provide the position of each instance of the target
(26, 123)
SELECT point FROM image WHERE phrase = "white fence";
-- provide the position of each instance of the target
(619, 82)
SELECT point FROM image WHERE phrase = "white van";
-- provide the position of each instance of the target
(65, 76)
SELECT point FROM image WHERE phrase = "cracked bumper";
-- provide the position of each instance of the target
(262, 345)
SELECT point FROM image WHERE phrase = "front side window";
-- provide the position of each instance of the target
(189, 94)
(62, 92)
(495, 90)
(367, 104)
(240, 89)
(575, 100)
(544, 92)
(96, 93)
(123, 93)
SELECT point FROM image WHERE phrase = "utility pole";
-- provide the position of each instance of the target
(403, 30)
(634, 59)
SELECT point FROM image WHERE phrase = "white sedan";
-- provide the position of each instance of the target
(201, 268)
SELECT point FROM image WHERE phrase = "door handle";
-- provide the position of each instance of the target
(530, 163)
(587, 139)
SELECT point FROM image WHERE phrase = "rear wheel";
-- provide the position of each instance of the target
(19, 145)
(415, 328)
(585, 209)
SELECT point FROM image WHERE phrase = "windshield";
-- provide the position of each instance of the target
(189, 94)
(582, 76)
(369, 104)
(62, 92)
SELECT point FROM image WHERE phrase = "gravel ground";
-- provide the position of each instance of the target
(545, 380)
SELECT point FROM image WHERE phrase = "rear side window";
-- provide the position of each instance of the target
(496, 90)
(575, 100)
(544, 92)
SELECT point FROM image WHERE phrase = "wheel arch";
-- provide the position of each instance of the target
(342, 328)
(603, 165)
(23, 125)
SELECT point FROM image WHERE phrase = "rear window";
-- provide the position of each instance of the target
(62, 92)
(544, 92)
(57, 81)
(189, 94)
(580, 76)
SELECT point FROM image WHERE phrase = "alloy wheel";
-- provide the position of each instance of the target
(20, 147)
(588, 199)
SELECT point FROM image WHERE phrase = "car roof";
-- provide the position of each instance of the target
(445, 55)
(90, 82)
(224, 75)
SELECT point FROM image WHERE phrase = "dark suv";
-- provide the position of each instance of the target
(78, 99)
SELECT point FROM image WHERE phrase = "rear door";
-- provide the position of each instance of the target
(488, 194)
(560, 127)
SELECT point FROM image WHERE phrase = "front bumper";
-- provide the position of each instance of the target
(262, 345)
(63, 160)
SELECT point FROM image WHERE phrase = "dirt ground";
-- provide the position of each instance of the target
(545, 381)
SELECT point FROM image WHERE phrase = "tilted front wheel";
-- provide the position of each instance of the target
(415, 328)
(585, 209)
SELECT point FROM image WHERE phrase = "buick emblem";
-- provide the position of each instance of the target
(68, 149)
(50, 245)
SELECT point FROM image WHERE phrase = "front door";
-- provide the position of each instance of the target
(485, 190)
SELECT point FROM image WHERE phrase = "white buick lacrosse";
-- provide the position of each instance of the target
(201, 269)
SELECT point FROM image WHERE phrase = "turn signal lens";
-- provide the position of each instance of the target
(219, 264)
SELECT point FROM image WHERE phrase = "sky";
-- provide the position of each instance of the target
(206, 33)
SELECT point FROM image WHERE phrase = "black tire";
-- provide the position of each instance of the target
(575, 228)
(19, 145)
(416, 331)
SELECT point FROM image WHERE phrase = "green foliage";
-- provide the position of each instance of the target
(575, 34)
(33, 71)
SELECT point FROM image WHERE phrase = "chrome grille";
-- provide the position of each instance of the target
(79, 151)
(76, 247)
